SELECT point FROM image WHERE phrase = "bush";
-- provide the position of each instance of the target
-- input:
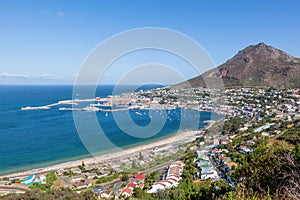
(124, 176)
(50, 179)
(105, 179)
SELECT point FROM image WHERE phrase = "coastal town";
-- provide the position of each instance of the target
(251, 115)
(149, 100)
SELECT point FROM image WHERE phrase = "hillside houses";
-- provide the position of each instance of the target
(133, 182)
(205, 166)
(224, 163)
(172, 178)
(81, 185)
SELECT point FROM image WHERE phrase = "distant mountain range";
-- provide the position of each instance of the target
(258, 65)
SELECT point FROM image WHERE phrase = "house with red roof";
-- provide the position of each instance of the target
(131, 185)
(231, 164)
(81, 185)
(172, 178)
(140, 177)
(126, 192)
(105, 194)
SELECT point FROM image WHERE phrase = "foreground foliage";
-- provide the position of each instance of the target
(271, 172)
(272, 169)
(63, 194)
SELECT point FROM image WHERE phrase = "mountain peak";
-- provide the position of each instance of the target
(261, 51)
(256, 65)
(261, 44)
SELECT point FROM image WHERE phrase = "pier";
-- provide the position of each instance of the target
(63, 102)
(94, 109)
(114, 110)
(95, 106)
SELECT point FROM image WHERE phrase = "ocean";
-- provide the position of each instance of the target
(39, 138)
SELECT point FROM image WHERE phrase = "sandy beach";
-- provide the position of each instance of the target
(182, 137)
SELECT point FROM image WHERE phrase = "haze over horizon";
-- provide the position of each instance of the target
(46, 42)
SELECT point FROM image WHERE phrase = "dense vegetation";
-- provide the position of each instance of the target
(272, 169)
(62, 194)
(292, 135)
(271, 172)
(232, 125)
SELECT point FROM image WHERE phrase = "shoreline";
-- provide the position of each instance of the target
(184, 137)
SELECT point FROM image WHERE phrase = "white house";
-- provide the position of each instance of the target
(77, 178)
(105, 194)
(156, 187)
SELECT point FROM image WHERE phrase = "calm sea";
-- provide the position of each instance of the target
(37, 138)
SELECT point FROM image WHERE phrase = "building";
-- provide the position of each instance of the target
(61, 172)
(106, 194)
(77, 178)
(208, 172)
(126, 192)
(91, 175)
(81, 185)
(172, 178)
(157, 186)
(76, 170)
(140, 177)
(231, 164)
(131, 185)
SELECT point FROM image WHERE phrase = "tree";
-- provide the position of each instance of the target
(63, 193)
(141, 157)
(124, 176)
(133, 166)
(81, 167)
(50, 179)
(232, 125)
(139, 193)
(274, 169)
(88, 195)
(150, 179)
(297, 152)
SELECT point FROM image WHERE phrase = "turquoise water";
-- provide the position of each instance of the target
(28, 180)
(37, 138)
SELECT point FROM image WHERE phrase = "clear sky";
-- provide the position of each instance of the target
(49, 40)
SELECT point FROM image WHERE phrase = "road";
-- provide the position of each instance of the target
(159, 167)
(161, 174)
(66, 180)
(116, 184)
(220, 174)
(116, 187)
(13, 189)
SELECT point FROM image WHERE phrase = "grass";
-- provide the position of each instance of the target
(50, 179)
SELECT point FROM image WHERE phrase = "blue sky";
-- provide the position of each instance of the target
(47, 41)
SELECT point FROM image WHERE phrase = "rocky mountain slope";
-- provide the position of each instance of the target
(255, 66)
